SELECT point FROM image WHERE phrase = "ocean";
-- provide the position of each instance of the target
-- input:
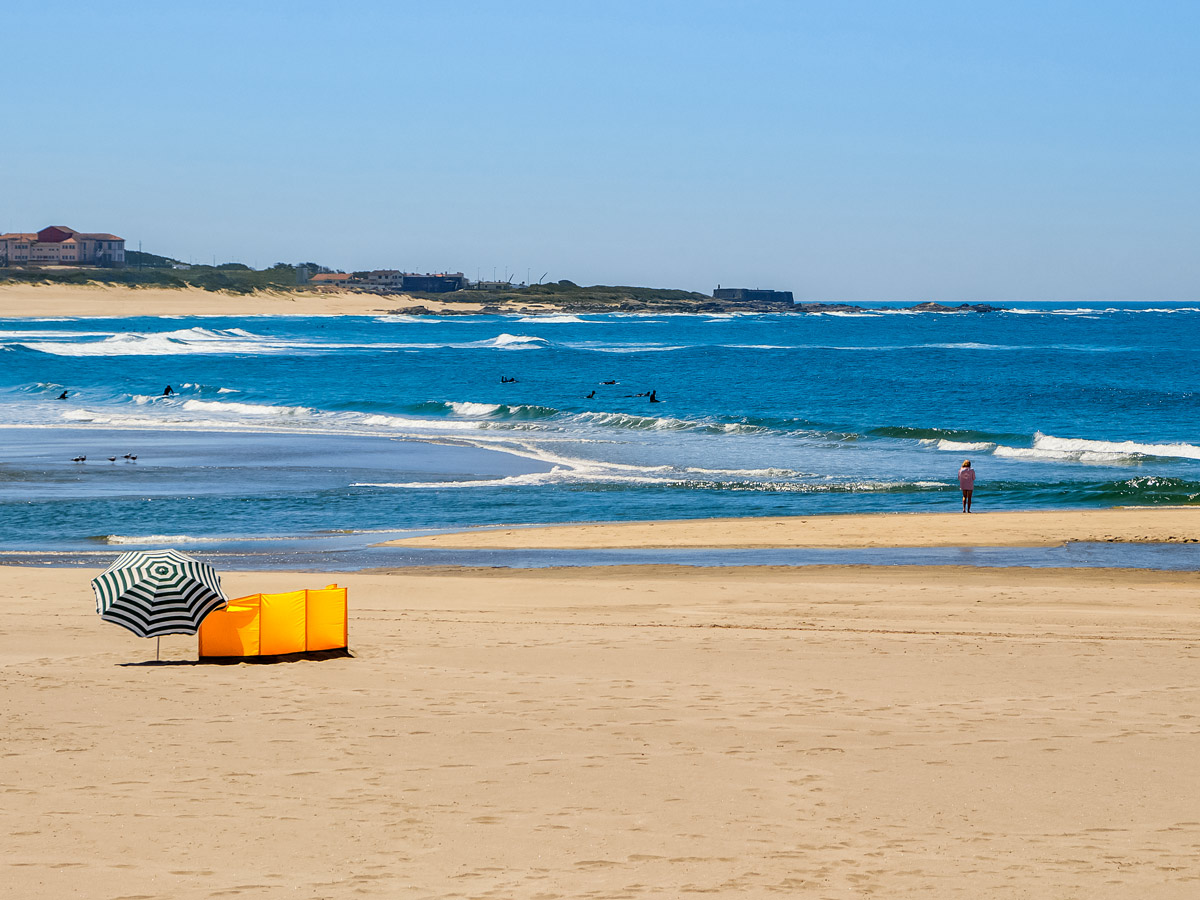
(347, 428)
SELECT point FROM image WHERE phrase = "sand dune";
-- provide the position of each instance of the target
(648, 732)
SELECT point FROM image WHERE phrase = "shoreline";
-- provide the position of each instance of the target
(1031, 528)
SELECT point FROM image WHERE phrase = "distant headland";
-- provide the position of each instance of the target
(69, 262)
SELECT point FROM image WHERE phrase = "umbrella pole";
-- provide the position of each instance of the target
(157, 647)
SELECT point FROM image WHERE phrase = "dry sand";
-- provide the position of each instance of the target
(997, 529)
(604, 733)
(22, 300)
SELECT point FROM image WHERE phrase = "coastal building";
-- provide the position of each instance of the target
(329, 279)
(379, 279)
(441, 283)
(752, 296)
(59, 245)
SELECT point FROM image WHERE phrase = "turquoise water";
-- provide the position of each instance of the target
(292, 427)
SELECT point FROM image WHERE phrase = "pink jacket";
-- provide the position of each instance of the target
(966, 478)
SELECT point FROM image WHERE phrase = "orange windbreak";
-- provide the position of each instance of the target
(272, 624)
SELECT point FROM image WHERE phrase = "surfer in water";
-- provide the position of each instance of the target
(169, 391)
(62, 396)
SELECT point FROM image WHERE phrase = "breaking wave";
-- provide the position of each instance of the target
(511, 342)
(235, 342)
(1043, 446)
(965, 435)
(1078, 449)
(161, 539)
(246, 409)
(960, 446)
(172, 343)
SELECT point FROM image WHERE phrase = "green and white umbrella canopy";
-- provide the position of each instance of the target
(157, 592)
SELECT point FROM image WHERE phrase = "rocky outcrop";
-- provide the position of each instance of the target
(962, 307)
(556, 306)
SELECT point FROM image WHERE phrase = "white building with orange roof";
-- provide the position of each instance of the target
(59, 245)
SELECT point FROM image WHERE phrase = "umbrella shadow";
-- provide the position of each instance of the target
(307, 656)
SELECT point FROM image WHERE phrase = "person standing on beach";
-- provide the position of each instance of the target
(966, 481)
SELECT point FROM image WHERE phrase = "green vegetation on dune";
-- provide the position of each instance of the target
(151, 270)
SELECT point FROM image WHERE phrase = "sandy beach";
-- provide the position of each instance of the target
(108, 301)
(954, 529)
(620, 732)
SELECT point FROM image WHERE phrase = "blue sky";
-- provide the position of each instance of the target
(845, 151)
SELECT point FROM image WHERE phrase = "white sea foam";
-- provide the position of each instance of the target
(959, 446)
(760, 346)
(412, 425)
(237, 341)
(246, 409)
(1108, 310)
(750, 473)
(1078, 311)
(967, 345)
(552, 320)
(1033, 453)
(56, 335)
(1048, 447)
(159, 539)
(171, 343)
(556, 476)
(535, 478)
(474, 409)
(599, 347)
(512, 342)
(1115, 448)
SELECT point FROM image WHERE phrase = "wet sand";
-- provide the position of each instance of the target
(622, 732)
(978, 529)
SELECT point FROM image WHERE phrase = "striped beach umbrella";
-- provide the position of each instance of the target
(157, 592)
